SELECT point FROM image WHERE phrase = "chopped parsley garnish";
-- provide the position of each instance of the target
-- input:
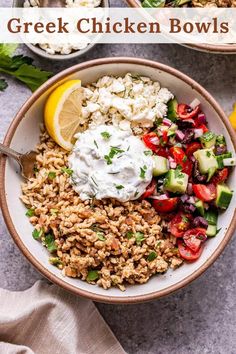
(94, 181)
(184, 219)
(37, 234)
(152, 256)
(142, 172)
(139, 236)
(96, 144)
(55, 261)
(119, 187)
(35, 169)
(101, 236)
(185, 158)
(92, 275)
(114, 151)
(105, 135)
(67, 170)
(29, 213)
(208, 154)
(158, 244)
(50, 243)
(96, 228)
(52, 175)
(178, 173)
(148, 152)
(129, 234)
(136, 193)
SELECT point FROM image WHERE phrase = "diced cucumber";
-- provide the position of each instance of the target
(160, 166)
(211, 217)
(223, 196)
(172, 109)
(200, 207)
(229, 162)
(211, 173)
(206, 160)
(221, 158)
(176, 181)
(172, 130)
(220, 140)
(211, 230)
(208, 139)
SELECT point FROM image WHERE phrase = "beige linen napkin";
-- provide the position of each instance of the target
(48, 320)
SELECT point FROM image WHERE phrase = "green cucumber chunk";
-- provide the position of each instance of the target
(211, 230)
(200, 207)
(206, 160)
(221, 158)
(160, 166)
(172, 109)
(211, 217)
(208, 140)
(176, 181)
(223, 196)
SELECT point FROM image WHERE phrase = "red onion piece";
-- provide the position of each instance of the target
(184, 198)
(201, 118)
(190, 189)
(198, 133)
(167, 122)
(173, 164)
(179, 135)
(154, 140)
(195, 103)
(191, 200)
(159, 197)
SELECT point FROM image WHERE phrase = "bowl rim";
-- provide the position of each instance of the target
(3, 201)
(204, 47)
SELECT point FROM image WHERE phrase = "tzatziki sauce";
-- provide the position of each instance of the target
(110, 163)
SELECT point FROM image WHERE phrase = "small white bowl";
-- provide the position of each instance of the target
(23, 135)
(59, 57)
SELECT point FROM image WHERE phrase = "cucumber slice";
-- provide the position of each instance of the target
(200, 207)
(172, 109)
(221, 158)
(229, 161)
(206, 160)
(176, 181)
(160, 166)
(211, 217)
(224, 196)
(211, 230)
(208, 140)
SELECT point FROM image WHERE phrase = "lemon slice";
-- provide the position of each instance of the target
(62, 114)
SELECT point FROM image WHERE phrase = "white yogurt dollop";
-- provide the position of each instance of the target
(110, 163)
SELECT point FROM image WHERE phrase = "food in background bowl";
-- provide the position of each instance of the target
(188, 3)
(139, 192)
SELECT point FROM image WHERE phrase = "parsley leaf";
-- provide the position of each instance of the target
(101, 236)
(67, 170)
(50, 243)
(52, 175)
(30, 212)
(96, 144)
(152, 256)
(3, 84)
(139, 236)
(105, 135)
(120, 187)
(148, 152)
(7, 48)
(142, 172)
(129, 234)
(37, 234)
(55, 261)
(92, 275)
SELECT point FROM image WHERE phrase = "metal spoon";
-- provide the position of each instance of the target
(52, 3)
(26, 161)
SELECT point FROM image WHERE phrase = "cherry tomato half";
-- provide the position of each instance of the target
(203, 127)
(191, 148)
(193, 238)
(188, 254)
(181, 159)
(186, 112)
(150, 189)
(152, 141)
(205, 193)
(165, 205)
(179, 224)
(221, 176)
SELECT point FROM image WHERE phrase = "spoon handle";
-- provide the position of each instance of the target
(9, 152)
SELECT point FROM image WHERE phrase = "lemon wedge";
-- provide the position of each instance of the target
(232, 117)
(62, 113)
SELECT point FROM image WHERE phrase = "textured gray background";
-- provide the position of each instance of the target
(198, 319)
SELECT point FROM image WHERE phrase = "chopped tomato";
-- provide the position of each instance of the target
(162, 152)
(186, 112)
(206, 193)
(150, 189)
(221, 176)
(191, 148)
(165, 136)
(188, 254)
(181, 159)
(165, 205)
(179, 224)
(193, 238)
(152, 141)
(203, 127)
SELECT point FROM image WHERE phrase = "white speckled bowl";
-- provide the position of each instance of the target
(23, 134)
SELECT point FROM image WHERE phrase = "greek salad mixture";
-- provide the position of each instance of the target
(192, 165)
(188, 3)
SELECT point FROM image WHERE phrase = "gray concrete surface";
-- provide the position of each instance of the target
(200, 318)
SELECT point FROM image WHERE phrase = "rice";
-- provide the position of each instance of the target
(107, 242)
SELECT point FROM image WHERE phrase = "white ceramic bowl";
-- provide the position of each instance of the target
(23, 134)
